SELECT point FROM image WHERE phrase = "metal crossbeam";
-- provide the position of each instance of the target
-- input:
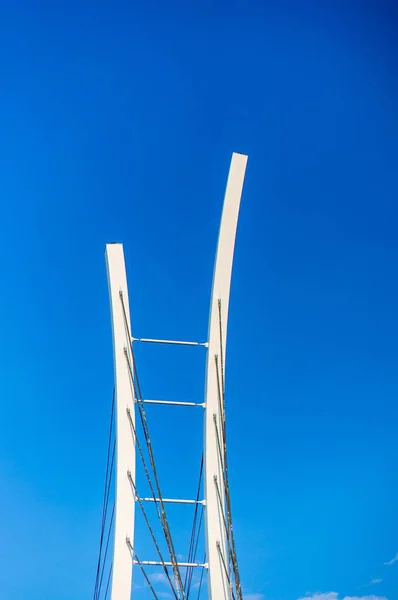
(173, 403)
(175, 342)
(156, 563)
(173, 500)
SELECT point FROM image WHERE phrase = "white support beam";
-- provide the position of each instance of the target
(125, 448)
(216, 542)
(173, 500)
(172, 342)
(173, 403)
(156, 563)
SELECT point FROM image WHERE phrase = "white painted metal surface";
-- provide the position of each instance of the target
(176, 342)
(214, 492)
(173, 501)
(156, 563)
(215, 528)
(173, 403)
(125, 448)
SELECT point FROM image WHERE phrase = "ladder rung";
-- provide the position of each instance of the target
(156, 563)
(177, 342)
(171, 402)
(173, 500)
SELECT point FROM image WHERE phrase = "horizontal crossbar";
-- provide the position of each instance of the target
(172, 402)
(156, 563)
(177, 342)
(173, 500)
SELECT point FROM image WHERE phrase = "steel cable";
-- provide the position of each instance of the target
(138, 395)
(108, 477)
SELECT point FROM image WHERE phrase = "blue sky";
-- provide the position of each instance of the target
(117, 123)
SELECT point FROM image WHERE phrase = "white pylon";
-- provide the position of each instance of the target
(125, 442)
(217, 525)
(216, 511)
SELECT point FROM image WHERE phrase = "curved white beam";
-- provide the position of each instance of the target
(216, 539)
(125, 444)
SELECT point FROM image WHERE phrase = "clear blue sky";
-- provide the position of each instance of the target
(117, 122)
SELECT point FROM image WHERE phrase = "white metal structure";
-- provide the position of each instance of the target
(125, 443)
(221, 557)
(216, 534)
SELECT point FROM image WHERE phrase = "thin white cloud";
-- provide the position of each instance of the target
(392, 561)
(375, 581)
(335, 596)
(159, 578)
(198, 581)
(253, 597)
(372, 597)
(319, 596)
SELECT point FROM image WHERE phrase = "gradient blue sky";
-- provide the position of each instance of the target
(117, 122)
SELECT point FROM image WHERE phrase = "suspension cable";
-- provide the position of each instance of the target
(162, 515)
(228, 522)
(193, 530)
(141, 453)
(201, 579)
(137, 388)
(108, 582)
(151, 533)
(98, 588)
(135, 557)
(215, 479)
(192, 544)
(220, 554)
(106, 550)
(231, 591)
(156, 502)
(134, 433)
(223, 454)
(225, 472)
(196, 548)
(221, 351)
(220, 455)
(108, 476)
